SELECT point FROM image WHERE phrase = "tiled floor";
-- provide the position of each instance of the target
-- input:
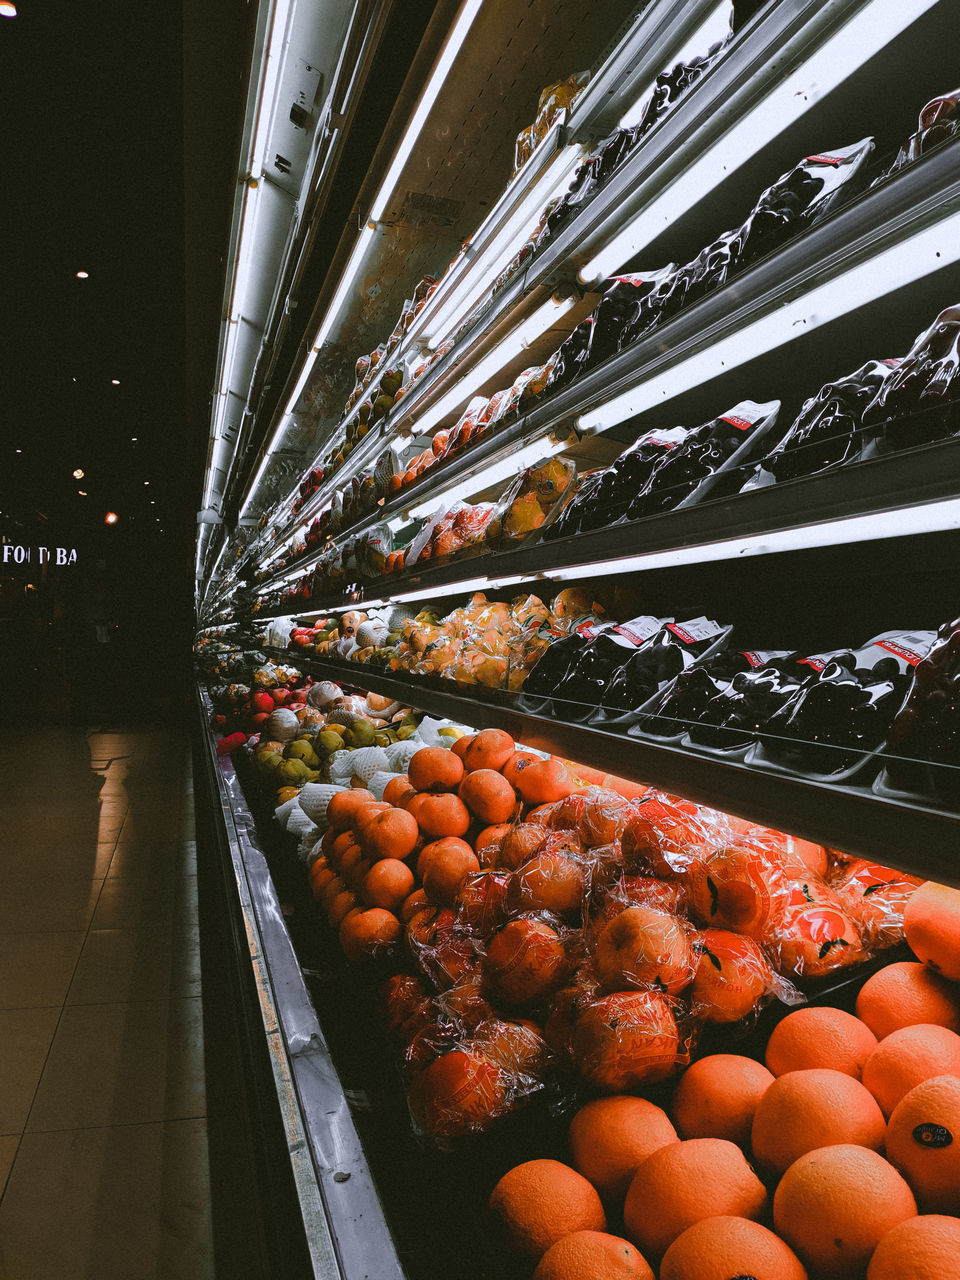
(103, 1143)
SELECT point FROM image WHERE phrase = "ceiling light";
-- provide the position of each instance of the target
(82, 493)
(111, 518)
(146, 482)
(114, 382)
(7, 9)
(133, 439)
(83, 275)
(78, 474)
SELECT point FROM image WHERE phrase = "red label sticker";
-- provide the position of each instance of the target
(892, 363)
(900, 651)
(824, 160)
(742, 424)
(588, 630)
(811, 662)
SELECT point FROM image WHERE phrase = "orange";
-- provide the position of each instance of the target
(903, 994)
(722, 1248)
(834, 1205)
(732, 976)
(683, 1183)
(592, 1255)
(460, 746)
(343, 841)
(435, 769)
(923, 1141)
(488, 842)
(391, 834)
(442, 815)
(427, 926)
(718, 1096)
(816, 939)
(331, 889)
(488, 796)
(490, 749)
(643, 947)
(624, 1040)
(365, 933)
(604, 817)
(611, 1137)
(414, 902)
(875, 898)
(737, 889)
(445, 870)
(643, 891)
(922, 1248)
(343, 805)
(366, 813)
(458, 1093)
(548, 882)
(519, 844)
(327, 839)
(398, 790)
(340, 907)
(355, 868)
(525, 960)
(906, 1058)
(320, 879)
(820, 1037)
(441, 849)
(518, 1047)
(519, 761)
(544, 781)
(387, 884)
(401, 996)
(541, 1201)
(657, 836)
(466, 1005)
(804, 1110)
(931, 922)
(481, 901)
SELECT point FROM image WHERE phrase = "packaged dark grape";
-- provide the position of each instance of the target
(682, 472)
(590, 674)
(917, 404)
(922, 751)
(699, 692)
(843, 710)
(661, 651)
(827, 432)
(795, 202)
(572, 357)
(618, 308)
(606, 496)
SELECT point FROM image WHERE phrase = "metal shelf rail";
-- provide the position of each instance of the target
(346, 1233)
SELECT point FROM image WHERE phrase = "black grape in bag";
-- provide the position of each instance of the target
(720, 700)
(843, 710)
(657, 660)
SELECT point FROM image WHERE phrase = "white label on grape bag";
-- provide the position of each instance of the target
(637, 630)
(694, 630)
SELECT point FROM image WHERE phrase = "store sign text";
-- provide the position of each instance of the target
(14, 554)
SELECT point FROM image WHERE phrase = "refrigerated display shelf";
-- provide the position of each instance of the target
(344, 1227)
(756, 62)
(913, 837)
(906, 495)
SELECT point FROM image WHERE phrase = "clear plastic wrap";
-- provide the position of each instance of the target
(926, 731)
(734, 978)
(625, 1041)
(917, 403)
(875, 897)
(526, 503)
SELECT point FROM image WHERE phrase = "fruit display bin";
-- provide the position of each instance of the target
(372, 1198)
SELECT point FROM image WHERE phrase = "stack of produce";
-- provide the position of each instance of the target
(550, 918)
(835, 1157)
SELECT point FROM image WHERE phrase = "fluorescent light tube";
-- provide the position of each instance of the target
(867, 32)
(713, 28)
(452, 46)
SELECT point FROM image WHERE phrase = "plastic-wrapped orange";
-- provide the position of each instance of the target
(460, 1092)
(525, 960)
(643, 947)
(625, 1040)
